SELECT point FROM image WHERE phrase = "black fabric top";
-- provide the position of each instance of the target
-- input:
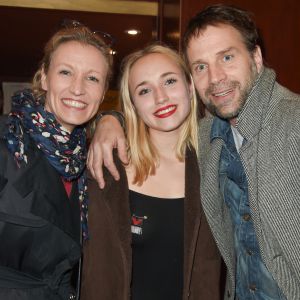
(157, 247)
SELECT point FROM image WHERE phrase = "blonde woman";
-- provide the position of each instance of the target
(149, 238)
(43, 197)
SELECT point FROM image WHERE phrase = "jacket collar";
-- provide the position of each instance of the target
(219, 129)
(251, 118)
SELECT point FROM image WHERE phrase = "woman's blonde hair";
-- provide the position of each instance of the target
(77, 32)
(142, 153)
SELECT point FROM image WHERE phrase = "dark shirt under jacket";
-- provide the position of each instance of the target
(157, 247)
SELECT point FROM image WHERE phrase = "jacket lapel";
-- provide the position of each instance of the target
(249, 162)
(215, 209)
(212, 202)
(192, 213)
(48, 197)
(116, 198)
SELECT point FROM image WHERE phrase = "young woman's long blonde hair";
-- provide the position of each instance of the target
(142, 153)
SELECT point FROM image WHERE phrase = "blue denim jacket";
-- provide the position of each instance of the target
(253, 281)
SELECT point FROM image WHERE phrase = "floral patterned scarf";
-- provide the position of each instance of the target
(65, 152)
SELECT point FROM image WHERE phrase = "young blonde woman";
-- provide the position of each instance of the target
(149, 238)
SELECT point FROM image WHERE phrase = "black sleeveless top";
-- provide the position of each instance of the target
(157, 247)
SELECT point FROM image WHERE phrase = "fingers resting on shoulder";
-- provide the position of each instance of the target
(108, 135)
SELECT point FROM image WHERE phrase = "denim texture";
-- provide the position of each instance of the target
(253, 280)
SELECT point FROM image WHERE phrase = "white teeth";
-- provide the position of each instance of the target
(222, 94)
(74, 103)
(164, 111)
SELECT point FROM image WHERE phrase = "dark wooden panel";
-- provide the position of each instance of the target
(23, 33)
(169, 22)
(279, 23)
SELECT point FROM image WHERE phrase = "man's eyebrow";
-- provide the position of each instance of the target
(221, 52)
(225, 50)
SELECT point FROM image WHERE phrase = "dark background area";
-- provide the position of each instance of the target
(24, 31)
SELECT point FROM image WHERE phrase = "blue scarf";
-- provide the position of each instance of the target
(64, 151)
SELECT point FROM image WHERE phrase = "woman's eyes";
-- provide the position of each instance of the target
(170, 81)
(93, 78)
(64, 72)
(144, 91)
(89, 77)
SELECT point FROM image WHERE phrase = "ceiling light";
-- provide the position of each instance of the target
(132, 31)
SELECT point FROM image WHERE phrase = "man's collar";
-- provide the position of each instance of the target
(254, 111)
(219, 128)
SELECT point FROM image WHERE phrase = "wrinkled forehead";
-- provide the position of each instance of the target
(212, 39)
(79, 53)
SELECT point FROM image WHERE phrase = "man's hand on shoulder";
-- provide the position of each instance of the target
(108, 135)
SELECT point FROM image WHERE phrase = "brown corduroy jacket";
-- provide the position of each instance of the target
(106, 273)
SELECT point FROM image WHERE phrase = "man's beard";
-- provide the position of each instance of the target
(244, 93)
